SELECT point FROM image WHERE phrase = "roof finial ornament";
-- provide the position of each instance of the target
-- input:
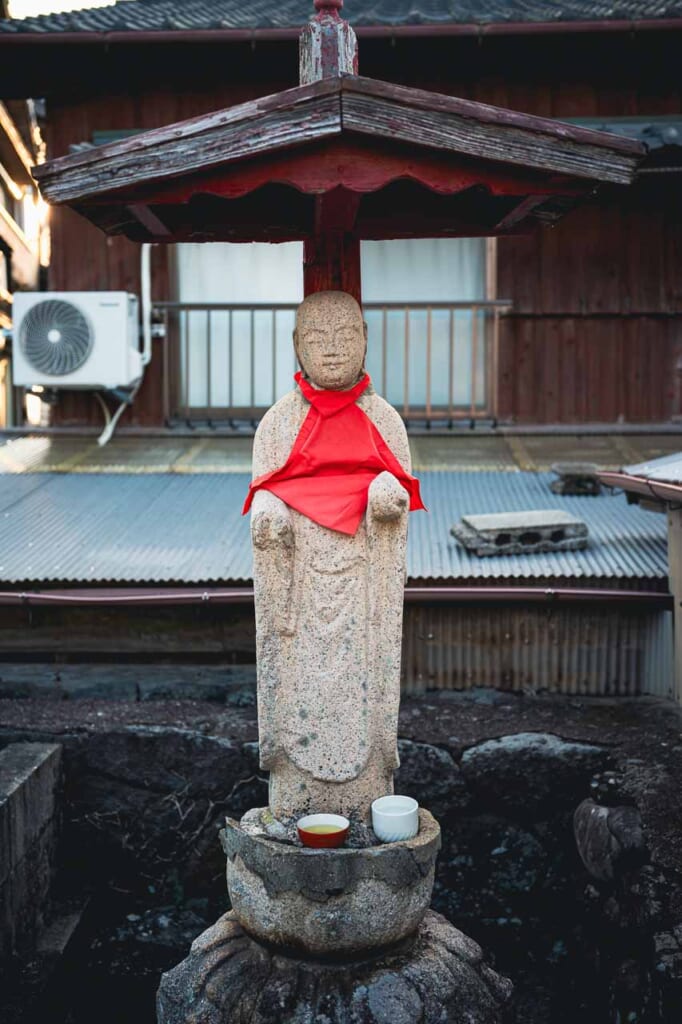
(328, 45)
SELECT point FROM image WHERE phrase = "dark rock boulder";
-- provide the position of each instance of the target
(530, 772)
(668, 972)
(149, 801)
(610, 840)
(430, 775)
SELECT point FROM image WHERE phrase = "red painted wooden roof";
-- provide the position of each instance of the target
(414, 164)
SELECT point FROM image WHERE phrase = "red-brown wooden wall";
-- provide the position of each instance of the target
(595, 332)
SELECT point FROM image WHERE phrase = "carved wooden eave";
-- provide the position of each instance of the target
(346, 154)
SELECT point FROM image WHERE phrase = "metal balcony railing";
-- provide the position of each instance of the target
(435, 362)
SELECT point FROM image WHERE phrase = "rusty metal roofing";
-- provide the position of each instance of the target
(167, 528)
(192, 15)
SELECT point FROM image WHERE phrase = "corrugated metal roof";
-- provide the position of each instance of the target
(179, 15)
(167, 528)
(668, 469)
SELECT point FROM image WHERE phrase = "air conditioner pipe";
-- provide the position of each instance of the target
(146, 311)
(146, 301)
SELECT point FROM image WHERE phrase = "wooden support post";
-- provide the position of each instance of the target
(331, 262)
(675, 579)
(331, 257)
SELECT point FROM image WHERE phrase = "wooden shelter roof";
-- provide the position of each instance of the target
(388, 160)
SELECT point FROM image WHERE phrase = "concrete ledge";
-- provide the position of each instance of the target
(30, 777)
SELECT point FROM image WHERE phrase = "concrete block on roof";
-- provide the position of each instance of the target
(30, 780)
(515, 533)
(576, 478)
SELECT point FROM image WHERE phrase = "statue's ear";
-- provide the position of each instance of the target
(298, 355)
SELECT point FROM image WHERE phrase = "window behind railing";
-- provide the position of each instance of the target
(432, 334)
(231, 362)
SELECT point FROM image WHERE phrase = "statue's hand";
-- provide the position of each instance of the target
(387, 500)
(271, 524)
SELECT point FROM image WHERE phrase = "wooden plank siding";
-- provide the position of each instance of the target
(84, 259)
(596, 335)
(593, 335)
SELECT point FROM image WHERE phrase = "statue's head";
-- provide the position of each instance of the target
(331, 340)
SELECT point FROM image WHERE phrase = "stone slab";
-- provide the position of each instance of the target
(438, 977)
(510, 533)
(30, 776)
(227, 684)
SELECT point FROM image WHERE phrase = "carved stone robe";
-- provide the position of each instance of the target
(329, 625)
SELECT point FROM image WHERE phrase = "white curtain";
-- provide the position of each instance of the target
(425, 270)
(256, 366)
(250, 358)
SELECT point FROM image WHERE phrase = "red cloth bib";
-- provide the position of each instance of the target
(335, 457)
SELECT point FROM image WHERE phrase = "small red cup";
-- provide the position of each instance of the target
(323, 831)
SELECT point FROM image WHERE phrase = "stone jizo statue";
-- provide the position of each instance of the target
(329, 503)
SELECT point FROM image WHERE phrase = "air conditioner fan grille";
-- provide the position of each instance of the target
(55, 337)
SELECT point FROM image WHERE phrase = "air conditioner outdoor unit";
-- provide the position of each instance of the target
(76, 340)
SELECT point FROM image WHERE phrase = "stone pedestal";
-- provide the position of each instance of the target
(436, 977)
(344, 902)
(338, 936)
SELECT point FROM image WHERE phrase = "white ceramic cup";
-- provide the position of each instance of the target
(395, 818)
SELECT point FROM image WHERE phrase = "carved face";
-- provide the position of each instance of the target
(331, 340)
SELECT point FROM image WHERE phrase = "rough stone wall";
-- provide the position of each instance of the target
(30, 780)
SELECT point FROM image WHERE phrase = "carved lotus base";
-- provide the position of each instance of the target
(343, 902)
(437, 977)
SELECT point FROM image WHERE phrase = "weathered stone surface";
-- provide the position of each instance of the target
(234, 685)
(149, 802)
(438, 978)
(324, 902)
(526, 771)
(609, 839)
(511, 533)
(668, 968)
(430, 775)
(30, 781)
(328, 605)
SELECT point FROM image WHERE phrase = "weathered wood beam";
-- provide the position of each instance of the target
(149, 220)
(385, 118)
(520, 212)
(328, 46)
(200, 144)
